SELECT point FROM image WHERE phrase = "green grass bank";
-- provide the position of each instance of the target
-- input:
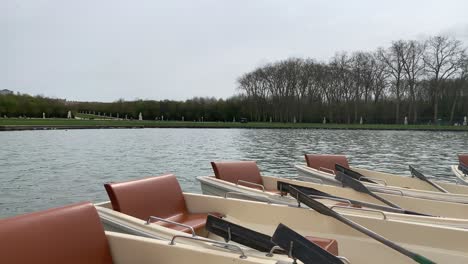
(38, 124)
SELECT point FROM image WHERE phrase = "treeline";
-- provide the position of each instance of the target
(23, 105)
(422, 80)
(196, 109)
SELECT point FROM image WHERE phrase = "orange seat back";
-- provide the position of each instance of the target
(238, 170)
(463, 159)
(318, 161)
(70, 234)
(330, 245)
(159, 196)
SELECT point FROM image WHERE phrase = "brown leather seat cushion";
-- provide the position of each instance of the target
(196, 221)
(159, 196)
(318, 161)
(71, 234)
(238, 170)
(463, 159)
(330, 245)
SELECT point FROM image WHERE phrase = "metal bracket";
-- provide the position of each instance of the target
(270, 253)
(214, 242)
(170, 222)
(251, 183)
(361, 209)
(256, 197)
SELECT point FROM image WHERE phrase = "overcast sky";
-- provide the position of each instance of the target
(103, 50)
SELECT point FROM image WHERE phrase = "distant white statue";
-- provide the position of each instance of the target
(117, 115)
(406, 120)
(360, 121)
(324, 120)
(183, 118)
(126, 117)
(43, 115)
(464, 121)
(294, 120)
(110, 114)
(271, 120)
(162, 118)
(140, 116)
(69, 115)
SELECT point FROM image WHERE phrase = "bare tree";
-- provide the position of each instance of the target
(341, 71)
(459, 86)
(413, 65)
(443, 58)
(393, 57)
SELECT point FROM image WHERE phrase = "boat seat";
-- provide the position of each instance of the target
(330, 245)
(159, 196)
(463, 159)
(235, 171)
(72, 234)
(319, 161)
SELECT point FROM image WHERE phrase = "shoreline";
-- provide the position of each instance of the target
(65, 124)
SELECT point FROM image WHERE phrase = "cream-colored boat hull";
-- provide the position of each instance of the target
(128, 249)
(395, 184)
(442, 245)
(453, 214)
(461, 177)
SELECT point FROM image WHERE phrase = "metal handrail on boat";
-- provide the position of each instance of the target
(253, 196)
(386, 189)
(251, 183)
(327, 170)
(361, 209)
(224, 245)
(270, 253)
(170, 222)
(331, 199)
(373, 179)
(306, 179)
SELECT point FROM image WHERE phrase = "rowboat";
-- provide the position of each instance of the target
(244, 180)
(156, 208)
(322, 168)
(461, 170)
(73, 234)
(133, 205)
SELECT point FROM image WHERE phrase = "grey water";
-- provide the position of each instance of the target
(44, 169)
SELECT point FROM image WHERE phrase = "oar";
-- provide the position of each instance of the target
(353, 174)
(299, 247)
(307, 252)
(358, 186)
(321, 208)
(284, 187)
(422, 177)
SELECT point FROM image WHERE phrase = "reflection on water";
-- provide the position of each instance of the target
(42, 169)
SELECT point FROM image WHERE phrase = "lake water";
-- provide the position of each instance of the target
(43, 169)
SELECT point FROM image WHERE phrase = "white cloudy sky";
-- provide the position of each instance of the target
(103, 50)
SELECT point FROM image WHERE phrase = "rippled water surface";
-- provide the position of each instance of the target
(42, 169)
